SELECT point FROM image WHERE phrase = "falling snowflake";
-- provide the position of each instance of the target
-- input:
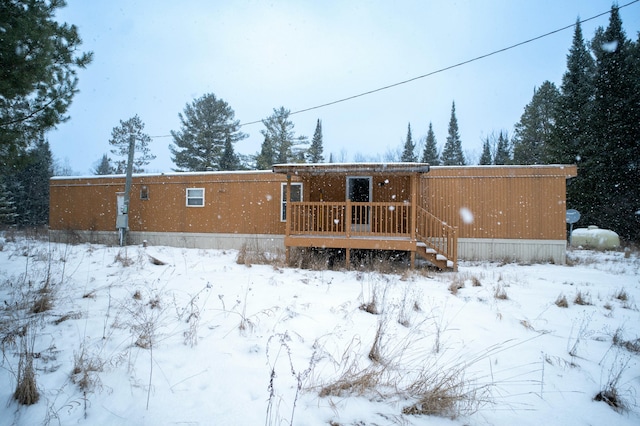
(466, 215)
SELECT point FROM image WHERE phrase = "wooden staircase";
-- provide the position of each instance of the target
(437, 241)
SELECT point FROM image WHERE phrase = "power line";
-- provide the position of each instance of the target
(459, 64)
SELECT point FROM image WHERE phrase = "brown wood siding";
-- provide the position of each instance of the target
(504, 202)
(244, 203)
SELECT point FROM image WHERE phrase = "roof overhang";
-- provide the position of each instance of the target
(350, 168)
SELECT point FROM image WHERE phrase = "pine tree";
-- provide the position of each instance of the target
(39, 59)
(30, 185)
(8, 213)
(452, 153)
(503, 150)
(267, 156)
(430, 153)
(208, 132)
(485, 157)
(571, 132)
(229, 159)
(104, 166)
(408, 151)
(280, 140)
(314, 154)
(533, 131)
(120, 138)
(611, 163)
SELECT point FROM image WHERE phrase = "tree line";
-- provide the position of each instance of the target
(592, 120)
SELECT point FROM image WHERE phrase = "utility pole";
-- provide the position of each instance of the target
(123, 222)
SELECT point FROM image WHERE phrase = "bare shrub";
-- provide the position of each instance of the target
(475, 281)
(610, 392)
(561, 301)
(299, 377)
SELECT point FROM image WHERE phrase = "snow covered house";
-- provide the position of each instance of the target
(438, 213)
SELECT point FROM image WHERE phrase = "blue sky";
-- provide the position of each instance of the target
(152, 57)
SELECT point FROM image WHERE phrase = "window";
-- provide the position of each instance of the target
(195, 197)
(296, 195)
(144, 193)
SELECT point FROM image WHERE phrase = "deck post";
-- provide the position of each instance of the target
(348, 258)
(287, 206)
(348, 220)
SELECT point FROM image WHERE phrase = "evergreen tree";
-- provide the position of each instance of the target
(104, 166)
(281, 145)
(208, 132)
(533, 131)
(452, 153)
(408, 152)
(229, 159)
(8, 213)
(267, 156)
(485, 157)
(120, 139)
(30, 185)
(611, 167)
(430, 153)
(503, 150)
(314, 153)
(571, 132)
(39, 58)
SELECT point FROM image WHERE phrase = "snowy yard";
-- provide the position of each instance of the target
(195, 338)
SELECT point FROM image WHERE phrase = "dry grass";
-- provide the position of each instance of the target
(85, 371)
(443, 393)
(253, 254)
(632, 346)
(456, 284)
(561, 301)
(26, 392)
(582, 299)
(621, 295)
(500, 293)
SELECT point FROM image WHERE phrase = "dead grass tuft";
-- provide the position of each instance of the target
(561, 301)
(500, 293)
(611, 398)
(630, 345)
(456, 284)
(621, 295)
(582, 299)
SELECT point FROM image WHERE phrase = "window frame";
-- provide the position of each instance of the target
(191, 197)
(283, 201)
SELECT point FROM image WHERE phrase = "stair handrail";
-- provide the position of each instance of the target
(437, 235)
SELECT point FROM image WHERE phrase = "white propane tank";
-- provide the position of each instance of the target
(594, 237)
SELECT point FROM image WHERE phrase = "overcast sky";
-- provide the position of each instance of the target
(152, 57)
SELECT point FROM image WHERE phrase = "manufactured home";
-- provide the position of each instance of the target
(438, 213)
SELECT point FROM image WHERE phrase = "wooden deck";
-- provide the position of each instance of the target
(373, 226)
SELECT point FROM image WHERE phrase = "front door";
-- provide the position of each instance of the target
(359, 191)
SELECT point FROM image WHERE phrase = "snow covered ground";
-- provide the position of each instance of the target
(203, 340)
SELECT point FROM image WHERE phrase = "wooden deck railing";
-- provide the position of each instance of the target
(350, 219)
(437, 235)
